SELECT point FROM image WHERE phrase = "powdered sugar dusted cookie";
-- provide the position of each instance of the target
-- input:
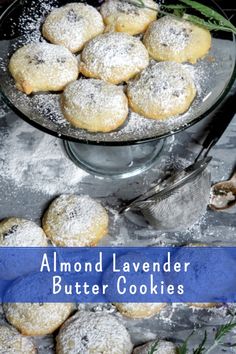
(34, 319)
(113, 57)
(74, 220)
(139, 310)
(73, 25)
(12, 342)
(90, 333)
(161, 347)
(43, 67)
(162, 90)
(174, 39)
(94, 105)
(122, 16)
(17, 232)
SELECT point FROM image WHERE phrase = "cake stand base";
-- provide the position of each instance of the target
(114, 162)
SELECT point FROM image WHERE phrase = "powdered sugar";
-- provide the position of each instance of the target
(73, 25)
(43, 167)
(161, 347)
(114, 57)
(170, 32)
(88, 332)
(74, 220)
(164, 85)
(15, 232)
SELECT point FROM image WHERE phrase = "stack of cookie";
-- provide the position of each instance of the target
(136, 64)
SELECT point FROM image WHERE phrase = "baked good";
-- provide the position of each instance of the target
(139, 310)
(18, 232)
(94, 105)
(43, 67)
(12, 342)
(90, 333)
(161, 347)
(113, 57)
(37, 319)
(162, 90)
(122, 16)
(75, 221)
(73, 25)
(174, 39)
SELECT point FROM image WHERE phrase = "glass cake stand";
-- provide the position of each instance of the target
(136, 145)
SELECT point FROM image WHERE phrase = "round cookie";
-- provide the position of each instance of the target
(34, 319)
(17, 232)
(139, 310)
(161, 347)
(94, 105)
(90, 333)
(174, 39)
(113, 57)
(121, 16)
(73, 220)
(12, 342)
(43, 67)
(73, 25)
(162, 90)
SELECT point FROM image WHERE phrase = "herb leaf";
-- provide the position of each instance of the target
(210, 13)
(223, 330)
(201, 347)
(153, 348)
(207, 24)
(182, 349)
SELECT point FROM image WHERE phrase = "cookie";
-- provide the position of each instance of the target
(173, 39)
(89, 332)
(156, 347)
(139, 310)
(73, 25)
(43, 67)
(74, 220)
(34, 319)
(113, 57)
(12, 342)
(121, 16)
(17, 232)
(162, 90)
(94, 105)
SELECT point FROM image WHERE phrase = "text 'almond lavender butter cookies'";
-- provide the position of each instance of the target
(161, 347)
(12, 342)
(161, 91)
(123, 16)
(113, 57)
(73, 25)
(43, 67)
(94, 105)
(90, 333)
(178, 40)
(75, 221)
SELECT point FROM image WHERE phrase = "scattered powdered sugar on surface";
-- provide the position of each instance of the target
(170, 32)
(36, 162)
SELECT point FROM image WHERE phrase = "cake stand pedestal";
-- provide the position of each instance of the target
(114, 162)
